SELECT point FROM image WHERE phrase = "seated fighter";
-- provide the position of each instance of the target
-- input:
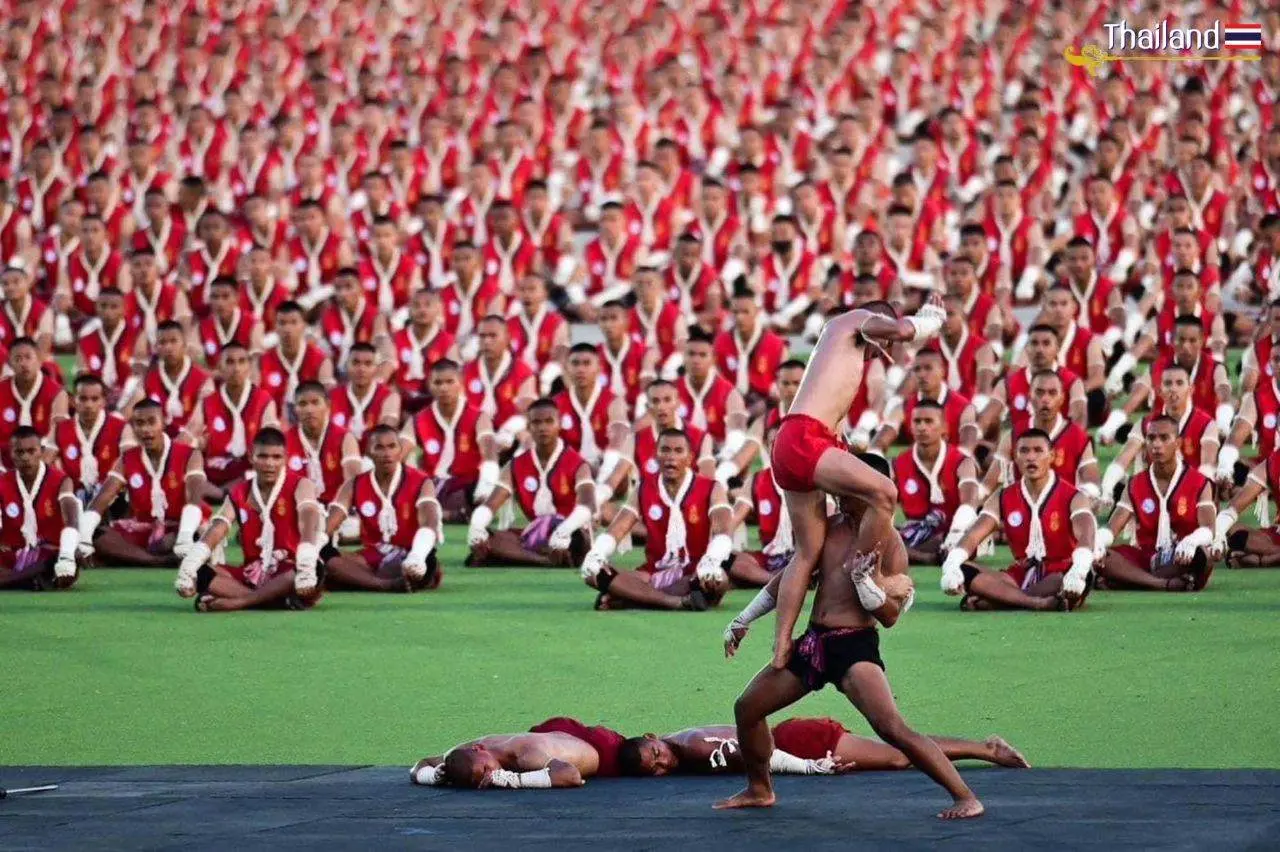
(1049, 526)
(318, 448)
(1210, 382)
(710, 402)
(174, 380)
(457, 444)
(1012, 395)
(749, 353)
(28, 397)
(498, 383)
(294, 359)
(109, 345)
(422, 342)
(362, 401)
(1171, 506)
(1156, 340)
(163, 481)
(856, 591)
(279, 521)
(40, 533)
(814, 746)
(1243, 545)
(227, 419)
(662, 412)
(399, 524)
(1257, 421)
(1197, 443)
(687, 521)
(226, 323)
(972, 365)
(959, 416)
(88, 443)
(552, 485)
(936, 483)
(512, 761)
(761, 500)
(593, 421)
(1073, 458)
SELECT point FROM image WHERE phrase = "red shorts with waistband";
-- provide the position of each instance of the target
(605, 741)
(808, 739)
(800, 442)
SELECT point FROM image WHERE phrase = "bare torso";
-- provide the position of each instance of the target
(834, 373)
(836, 602)
(531, 752)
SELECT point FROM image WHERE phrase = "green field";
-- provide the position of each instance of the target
(121, 671)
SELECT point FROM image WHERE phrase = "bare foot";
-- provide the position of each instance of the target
(1003, 754)
(963, 809)
(748, 798)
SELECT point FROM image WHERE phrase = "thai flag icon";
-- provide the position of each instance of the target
(1242, 36)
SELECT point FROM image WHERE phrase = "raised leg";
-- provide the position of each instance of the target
(868, 689)
(767, 693)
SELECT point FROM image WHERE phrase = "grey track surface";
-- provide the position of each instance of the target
(319, 807)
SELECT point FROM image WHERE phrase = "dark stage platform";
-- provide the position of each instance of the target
(236, 809)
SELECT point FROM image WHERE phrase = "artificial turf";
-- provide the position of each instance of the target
(121, 671)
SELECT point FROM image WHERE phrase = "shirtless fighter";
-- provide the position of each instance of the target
(513, 750)
(842, 647)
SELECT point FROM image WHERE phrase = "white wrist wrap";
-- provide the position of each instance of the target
(1225, 521)
(428, 776)
(424, 540)
(576, 520)
(478, 530)
(188, 523)
(870, 595)
(761, 605)
(964, 518)
(786, 764)
(734, 441)
(68, 542)
(540, 780)
(89, 521)
(608, 463)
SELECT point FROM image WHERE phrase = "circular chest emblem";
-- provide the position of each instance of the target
(335, 337)
(911, 486)
(1020, 402)
(219, 425)
(635, 228)
(474, 386)
(433, 446)
(684, 411)
(651, 466)
(78, 285)
(732, 362)
(406, 356)
(454, 309)
(773, 285)
(1259, 182)
(300, 265)
(491, 268)
(12, 510)
(95, 363)
(295, 464)
(274, 379)
(597, 269)
(531, 484)
(655, 513)
(1269, 421)
(244, 515)
(340, 419)
(50, 256)
(210, 347)
(1015, 519)
(766, 507)
(566, 421)
(10, 415)
(368, 509)
(135, 481)
(198, 277)
(1148, 506)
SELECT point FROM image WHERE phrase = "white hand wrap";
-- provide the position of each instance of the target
(1107, 431)
(1025, 290)
(540, 780)
(547, 376)
(604, 493)
(427, 776)
(787, 764)
(67, 544)
(478, 531)
(1186, 549)
(308, 557)
(927, 322)
(1227, 458)
(1073, 581)
(1225, 415)
(1113, 476)
(860, 437)
(562, 535)
(1225, 521)
(508, 431)
(89, 521)
(871, 596)
(719, 549)
(608, 464)
(960, 523)
(487, 480)
(1124, 260)
(1090, 490)
(190, 566)
(725, 471)
(761, 605)
(188, 524)
(1115, 379)
(415, 563)
(1102, 541)
(952, 576)
(894, 377)
(598, 557)
(980, 403)
(1111, 337)
(734, 441)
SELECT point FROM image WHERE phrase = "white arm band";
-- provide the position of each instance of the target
(1124, 260)
(1225, 414)
(1124, 366)
(514, 425)
(1227, 458)
(68, 542)
(670, 367)
(188, 523)
(868, 421)
(1202, 537)
(489, 473)
(786, 764)
(980, 403)
(719, 548)
(1102, 541)
(1090, 490)
(1226, 520)
(608, 462)
(89, 521)
(1027, 282)
(795, 308)
(894, 377)
(481, 517)
(540, 780)
(734, 441)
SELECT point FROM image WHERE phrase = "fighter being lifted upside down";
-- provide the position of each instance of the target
(841, 647)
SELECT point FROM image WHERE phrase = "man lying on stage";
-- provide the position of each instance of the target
(39, 536)
(1171, 503)
(800, 747)
(842, 647)
(279, 521)
(553, 487)
(1049, 526)
(399, 523)
(687, 521)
